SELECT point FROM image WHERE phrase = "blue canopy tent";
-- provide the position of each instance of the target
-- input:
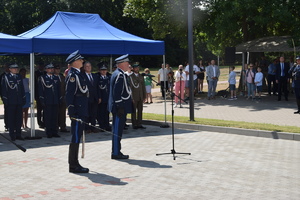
(10, 44)
(66, 32)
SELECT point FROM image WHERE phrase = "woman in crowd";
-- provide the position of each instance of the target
(200, 77)
(180, 78)
(250, 75)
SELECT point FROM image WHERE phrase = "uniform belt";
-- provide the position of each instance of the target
(81, 95)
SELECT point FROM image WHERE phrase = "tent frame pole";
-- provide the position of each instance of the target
(165, 90)
(32, 124)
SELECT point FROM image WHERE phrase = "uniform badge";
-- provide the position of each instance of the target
(72, 79)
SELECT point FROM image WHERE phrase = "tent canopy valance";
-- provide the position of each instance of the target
(66, 32)
(10, 44)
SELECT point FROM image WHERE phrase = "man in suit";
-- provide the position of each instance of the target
(119, 104)
(103, 88)
(92, 83)
(62, 106)
(49, 95)
(13, 97)
(39, 72)
(77, 94)
(282, 78)
(137, 84)
(212, 73)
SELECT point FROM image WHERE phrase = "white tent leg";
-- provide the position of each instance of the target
(32, 124)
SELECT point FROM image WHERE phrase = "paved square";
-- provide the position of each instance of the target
(221, 166)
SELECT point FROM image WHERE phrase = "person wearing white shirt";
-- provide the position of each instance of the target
(180, 78)
(213, 73)
(163, 79)
(187, 82)
(232, 82)
(258, 81)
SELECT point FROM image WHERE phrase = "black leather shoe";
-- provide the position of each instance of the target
(55, 135)
(126, 125)
(120, 156)
(49, 136)
(142, 127)
(135, 127)
(297, 112)
(64, 130)
(78, 169)
(19, 138)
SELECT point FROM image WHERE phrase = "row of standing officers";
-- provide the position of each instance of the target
(87, 97)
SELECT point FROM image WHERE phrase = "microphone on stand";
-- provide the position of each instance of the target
(143, 74)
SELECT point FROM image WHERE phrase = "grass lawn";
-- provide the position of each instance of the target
(224, 123)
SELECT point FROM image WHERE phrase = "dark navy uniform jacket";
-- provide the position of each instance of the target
(12, 90)
(49, 90)
(76, 94)
(120, 93)
(92, 86)
(295, 73)
(104, 87)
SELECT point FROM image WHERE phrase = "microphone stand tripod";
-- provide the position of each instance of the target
(173, 139)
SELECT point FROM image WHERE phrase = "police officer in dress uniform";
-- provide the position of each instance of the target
(62, 106)
(137, 84)
(6, 71)
(77, 103)
(13, 97)
(119, 104)
(295, 74)
(103, 88)
(49, 95)
(39, 108)
(92, 84)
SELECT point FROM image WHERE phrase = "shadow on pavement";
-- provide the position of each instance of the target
(93, 137)
(103, 179)
(145, 163)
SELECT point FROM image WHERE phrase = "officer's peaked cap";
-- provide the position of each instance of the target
(123, 58)
(73, 57)
(49, 66)
(13, 66)
(297, 57)
(102, 65)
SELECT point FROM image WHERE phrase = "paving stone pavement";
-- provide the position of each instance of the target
(221, 166)
(268, 110)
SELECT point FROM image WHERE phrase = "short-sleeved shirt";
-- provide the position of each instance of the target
(195, 69)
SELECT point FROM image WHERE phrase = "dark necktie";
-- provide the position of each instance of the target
(282, 69)
(91, 79)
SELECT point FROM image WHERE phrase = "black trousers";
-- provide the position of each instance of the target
(51, 118)
(39, 113)
(282, 87)
(272, 80)
(103, 116)
(162, 87)
(62, 115)
(92, 106)
(14, 120)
